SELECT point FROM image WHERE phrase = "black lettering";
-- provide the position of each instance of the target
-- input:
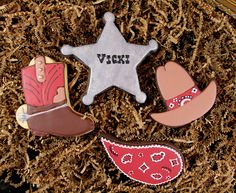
(127, 59)
(101, 57)
(121, 57)
(114, 61)
(108, 59)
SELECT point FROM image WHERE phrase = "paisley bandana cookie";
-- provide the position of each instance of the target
(184, 101)
(47, 109)
(150, 163)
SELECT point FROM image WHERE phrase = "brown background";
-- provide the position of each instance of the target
(198, 36)
(229, 6)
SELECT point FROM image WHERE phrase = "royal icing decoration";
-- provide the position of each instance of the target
(152, 164)
(184, 101)
(42, 93)
(183, 98)
(47, 109)
(112, 61)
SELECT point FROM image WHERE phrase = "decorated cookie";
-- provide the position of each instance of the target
(149, 163)
(184, 101)
(47, 109)
(112, 61)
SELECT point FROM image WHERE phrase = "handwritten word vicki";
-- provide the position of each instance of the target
(113, 59)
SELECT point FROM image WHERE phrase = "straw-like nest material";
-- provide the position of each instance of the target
(199, 37)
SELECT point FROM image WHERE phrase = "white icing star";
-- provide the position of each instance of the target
(112, 61)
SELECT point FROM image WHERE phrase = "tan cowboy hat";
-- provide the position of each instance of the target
(185, 102)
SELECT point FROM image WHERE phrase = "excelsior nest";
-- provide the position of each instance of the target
(191, 32)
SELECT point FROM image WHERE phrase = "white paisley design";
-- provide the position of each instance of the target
(127, 158)
(157, 157)
(156, 176)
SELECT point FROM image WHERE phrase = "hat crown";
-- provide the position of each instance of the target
(173, 80)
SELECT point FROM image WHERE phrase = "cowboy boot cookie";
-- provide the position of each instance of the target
(48, 109)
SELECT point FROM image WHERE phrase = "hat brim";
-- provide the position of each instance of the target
(190, 111)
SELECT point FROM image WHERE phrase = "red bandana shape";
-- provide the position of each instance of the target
(152, 164)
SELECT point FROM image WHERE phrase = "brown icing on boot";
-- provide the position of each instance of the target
(48, 107)
(58, 121)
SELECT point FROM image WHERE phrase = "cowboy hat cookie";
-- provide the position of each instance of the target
(47, 109)
(184, 101)
(150, 163)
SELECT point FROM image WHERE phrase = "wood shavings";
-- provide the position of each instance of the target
(199, 37)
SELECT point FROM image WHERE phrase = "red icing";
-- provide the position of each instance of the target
(158, 156)
(127, 158)
(183, 98)
(151, 164)
(41, 94)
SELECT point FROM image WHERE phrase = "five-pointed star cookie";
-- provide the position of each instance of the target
(112, 61)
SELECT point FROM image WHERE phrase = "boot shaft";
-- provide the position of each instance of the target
(48, 109)
(44, 85)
